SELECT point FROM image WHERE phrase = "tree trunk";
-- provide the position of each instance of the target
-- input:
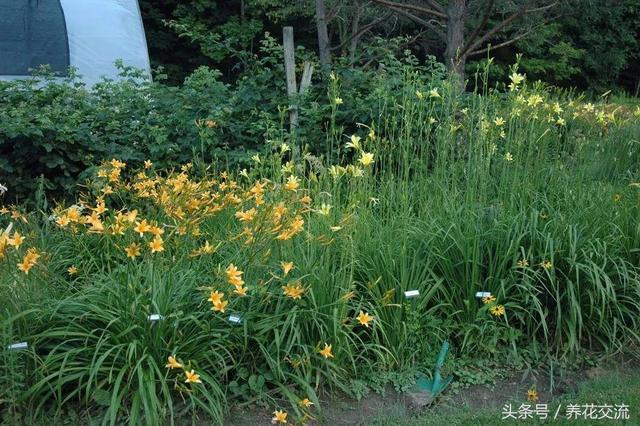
(323, 36)
(455, 40)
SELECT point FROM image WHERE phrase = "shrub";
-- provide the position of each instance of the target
(58, 129)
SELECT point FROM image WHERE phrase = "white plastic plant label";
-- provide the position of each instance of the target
(235, 319)
(411, 294)
(18, 346)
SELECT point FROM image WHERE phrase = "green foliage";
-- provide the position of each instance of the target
(102, 349)
(591, 44)
(527, 193)
(608, 33)
(549, 57)
(232, 38)
(59, 129)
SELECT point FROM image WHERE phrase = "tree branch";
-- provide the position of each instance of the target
(498, 46)
(412, 7)
(508, 42)
(477, 30)
(333, 12)
(429, 24)
(542, 8)
(361, 31)
(402, 46)
(434, 4)
(522, 11)
(496, 29)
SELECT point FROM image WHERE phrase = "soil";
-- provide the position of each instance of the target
(336, 412)
(512, 388)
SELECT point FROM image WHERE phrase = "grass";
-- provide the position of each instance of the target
(529, 194)
(619, 387)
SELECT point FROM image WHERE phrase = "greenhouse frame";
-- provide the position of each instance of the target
(87, 35)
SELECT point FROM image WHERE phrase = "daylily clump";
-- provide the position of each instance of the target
(293, 275)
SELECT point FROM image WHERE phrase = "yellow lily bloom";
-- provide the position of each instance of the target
(173, 363)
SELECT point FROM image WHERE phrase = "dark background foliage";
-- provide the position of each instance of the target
(55, 134)
(588, 44)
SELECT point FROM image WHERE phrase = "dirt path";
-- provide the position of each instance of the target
(375, 408)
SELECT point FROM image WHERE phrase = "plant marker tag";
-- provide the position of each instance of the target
(410, 294)
(18, 346)
(155, 317)
(481, 294)
(235, 319)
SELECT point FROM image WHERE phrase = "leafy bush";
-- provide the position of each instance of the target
(59, 129)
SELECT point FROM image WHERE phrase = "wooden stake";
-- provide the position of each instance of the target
(306, 76)
(290, 72)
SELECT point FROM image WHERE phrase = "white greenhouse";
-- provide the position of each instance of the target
(89, 35)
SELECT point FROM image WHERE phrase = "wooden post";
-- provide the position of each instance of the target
(292, 90)
(290, 72)
(306, 76)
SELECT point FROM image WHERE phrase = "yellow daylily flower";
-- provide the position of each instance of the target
(219, 306)
(286, 267)
(192, 377)
(292, 183)
(133, 250)
(16, 241)
(29, 260)
(156, 245)
(364, 319)
(63, 221)
(246, 216)
(234, 275)
(215, 297)
(279, 416)
(354, 142)
(305, 403)
(366, 159)
(142, 227)
(173, 363)
(326, 352)
(240, 291)
(294, 291)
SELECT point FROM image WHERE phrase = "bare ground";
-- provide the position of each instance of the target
(374, 407)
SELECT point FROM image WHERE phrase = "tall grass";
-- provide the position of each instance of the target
(463, 198)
